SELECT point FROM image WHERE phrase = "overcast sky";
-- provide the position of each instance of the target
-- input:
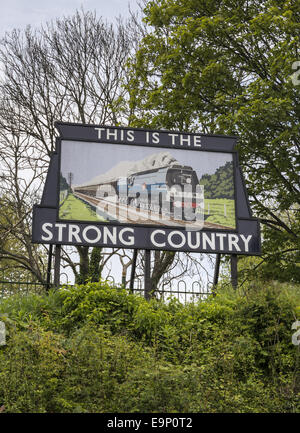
(20, 13)
(87, 160)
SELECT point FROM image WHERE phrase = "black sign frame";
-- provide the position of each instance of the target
(246, 225)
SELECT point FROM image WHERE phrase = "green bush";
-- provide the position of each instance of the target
(95, 348)
(30, 369)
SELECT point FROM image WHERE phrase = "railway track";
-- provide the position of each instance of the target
(131, 215)
(121, 211)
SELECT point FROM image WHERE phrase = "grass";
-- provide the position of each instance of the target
(75, 209)
(72, 208)
(215, 210)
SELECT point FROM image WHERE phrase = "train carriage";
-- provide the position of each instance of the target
(159, 190)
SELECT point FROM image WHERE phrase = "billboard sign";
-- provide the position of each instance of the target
(139, 188)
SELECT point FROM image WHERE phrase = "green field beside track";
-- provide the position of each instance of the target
(220, 211)
(75, 209)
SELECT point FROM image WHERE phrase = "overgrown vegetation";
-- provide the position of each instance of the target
(94, 348)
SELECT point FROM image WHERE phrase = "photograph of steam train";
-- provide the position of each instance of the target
(154, 186)
(148, 189)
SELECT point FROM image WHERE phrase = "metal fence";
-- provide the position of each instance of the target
(9, 288)
(12, 284)
(183, 290)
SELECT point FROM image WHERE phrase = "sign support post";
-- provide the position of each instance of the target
(49, 266)
(57, 266)
(133, 268)
(147, 276)
(216, 274)
(234, 271)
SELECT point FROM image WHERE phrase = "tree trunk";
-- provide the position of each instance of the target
(89, 267)
(83, 274)
(162, 262)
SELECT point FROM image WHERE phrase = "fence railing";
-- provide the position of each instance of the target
(8, 288)
(183, 290)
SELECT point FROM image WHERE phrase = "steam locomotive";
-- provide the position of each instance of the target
(165, 190)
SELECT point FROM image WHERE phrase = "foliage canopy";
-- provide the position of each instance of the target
(226, 67)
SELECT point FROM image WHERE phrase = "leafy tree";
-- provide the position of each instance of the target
(219, 184)
(63, 184)
(28, 259)
(19, 258)
(72, 70)
(225, 67)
